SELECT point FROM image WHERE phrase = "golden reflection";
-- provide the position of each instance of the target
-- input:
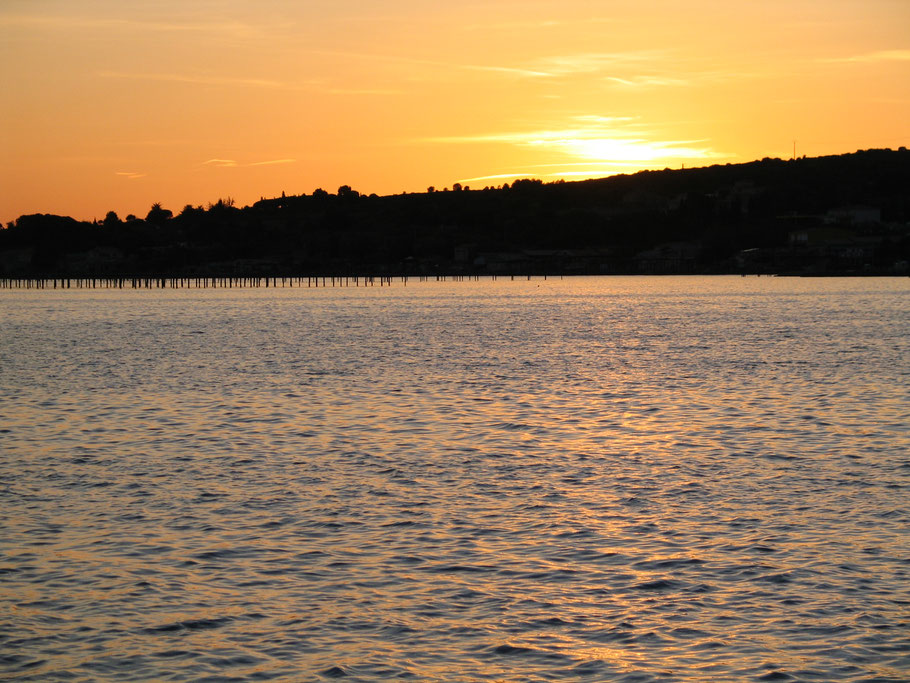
(555, 477)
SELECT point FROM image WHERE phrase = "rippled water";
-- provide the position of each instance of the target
(630, 479)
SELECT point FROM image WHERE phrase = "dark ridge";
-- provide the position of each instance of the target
(846, 214)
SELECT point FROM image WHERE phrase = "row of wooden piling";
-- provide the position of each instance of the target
(231, 282)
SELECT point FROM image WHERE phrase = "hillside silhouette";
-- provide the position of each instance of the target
(845, 214)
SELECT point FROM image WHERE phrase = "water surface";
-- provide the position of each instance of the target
(629, 479)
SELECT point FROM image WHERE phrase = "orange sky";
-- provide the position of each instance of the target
(113, 105)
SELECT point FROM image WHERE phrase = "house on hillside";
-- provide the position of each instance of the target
(670, 257)
(834, 248)
(815, 237)
(853, 215)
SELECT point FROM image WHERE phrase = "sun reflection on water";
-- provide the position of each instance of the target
(495, 480)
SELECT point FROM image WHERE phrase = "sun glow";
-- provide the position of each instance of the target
(627, 151)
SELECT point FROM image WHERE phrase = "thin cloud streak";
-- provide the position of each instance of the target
(232, 163)
(200, 80)
(548, 67)
(593, 62)
(597, 129)
(570, 164)
(590, 173)
(364, 91)
(537, 24)
(599, 120)
(512, 71)
(871, 58)
(416, 61)
(130, 175)
(647, 81)
(639, 69)
(630, 150)
(273, 162)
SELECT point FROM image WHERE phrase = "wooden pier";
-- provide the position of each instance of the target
(230, 282)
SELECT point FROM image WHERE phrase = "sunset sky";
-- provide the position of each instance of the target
(113, 105)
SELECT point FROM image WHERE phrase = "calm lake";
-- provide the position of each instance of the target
(605, 479)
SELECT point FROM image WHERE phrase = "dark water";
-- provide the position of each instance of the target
(629, 479)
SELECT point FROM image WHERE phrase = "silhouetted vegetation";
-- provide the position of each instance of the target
(837, 214)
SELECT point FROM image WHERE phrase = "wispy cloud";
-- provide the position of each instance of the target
(220, 163)
(599, 172)
(639, 69)
(232, 163)
(508, 70)
(587, 126)
(130, 175)
(633, 150)
(363, 91)
(647, 81)
(581, 164)
(436, 64)
(199, 80)
(594, 62)
(872, 57)
(559, 66)
(273, 162)
(531, 24)
(600, 120)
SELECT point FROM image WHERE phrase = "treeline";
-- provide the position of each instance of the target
(693, 220)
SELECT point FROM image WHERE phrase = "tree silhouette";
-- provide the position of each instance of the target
(157, 214)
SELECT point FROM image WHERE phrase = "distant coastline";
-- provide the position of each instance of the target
(836, 215)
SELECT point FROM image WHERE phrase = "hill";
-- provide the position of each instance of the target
(845, 214)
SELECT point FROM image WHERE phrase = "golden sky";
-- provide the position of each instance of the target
(114, 105)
